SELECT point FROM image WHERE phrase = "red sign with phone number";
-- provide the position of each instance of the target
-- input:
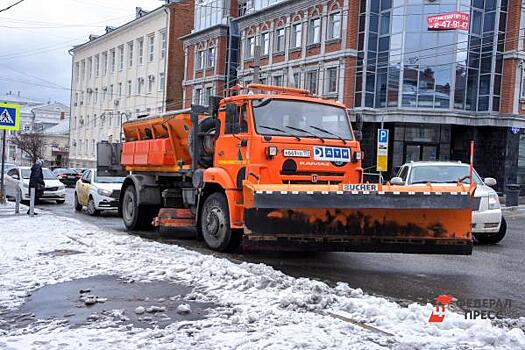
(449, 21)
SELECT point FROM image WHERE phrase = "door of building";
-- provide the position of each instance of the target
(420, 151)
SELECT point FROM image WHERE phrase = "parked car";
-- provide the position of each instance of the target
(17, 179)
(68, 177)
(488, 224)
(7, 166)
(97, 192)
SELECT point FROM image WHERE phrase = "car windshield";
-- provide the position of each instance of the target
(48, 174)
(109, 179)
(442, 174)
(302, 119)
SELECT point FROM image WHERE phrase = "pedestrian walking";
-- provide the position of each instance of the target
(36, 181)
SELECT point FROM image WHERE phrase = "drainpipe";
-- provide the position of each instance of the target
(166, 56)
(70, 109)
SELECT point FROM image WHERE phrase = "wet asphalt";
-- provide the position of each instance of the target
(496, 271)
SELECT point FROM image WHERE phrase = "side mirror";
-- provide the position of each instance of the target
(358, 135)
(359, 122)
(490, 181)
(86, 181)
(396, 180)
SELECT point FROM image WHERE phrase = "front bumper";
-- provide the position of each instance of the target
(487, 221)
(405, 222)
(51, 195)
(107, 203)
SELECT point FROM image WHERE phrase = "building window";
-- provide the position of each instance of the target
(297, 35)
(151, 41)
(522, 90)
(151, 83)
(104, 90)
(312, 81)
(296, 80)
(104, 63)
(163, 37)
(111, 92)
(130, 86)
(265, 44)
(94, 120)
(209, 93)
(119, 89)
(162, 81)
(95, 96)
(130, 54)
(334, 26)
(200, 59)
(83, 69)
(211, 57)
(113, 60)
(121, 57)
(314, 31)
(197, 97)
(279, 40)
(278, 80)
(141, 50)
(77, 71)
(90, 67)
(331, 80)
(250, 47)
(140, 83)
(97, 64)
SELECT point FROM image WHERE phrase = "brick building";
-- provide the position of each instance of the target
(132, 70)
(435, 90)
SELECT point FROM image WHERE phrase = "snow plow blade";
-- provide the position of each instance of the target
(394, 219)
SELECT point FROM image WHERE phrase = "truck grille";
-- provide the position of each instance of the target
(51, 189)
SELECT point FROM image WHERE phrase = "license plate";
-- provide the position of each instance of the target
(360, 187)
(296, 153)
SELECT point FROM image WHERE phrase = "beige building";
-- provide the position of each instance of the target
(56, 144)
(116, 76)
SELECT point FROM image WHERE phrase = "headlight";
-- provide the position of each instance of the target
(102, 192)
(494, 201)
(60, 188)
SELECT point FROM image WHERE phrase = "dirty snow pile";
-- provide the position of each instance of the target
(257, 306)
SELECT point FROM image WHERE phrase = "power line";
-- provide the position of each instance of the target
(10, 6)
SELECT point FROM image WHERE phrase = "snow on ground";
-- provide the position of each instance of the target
(260, 307)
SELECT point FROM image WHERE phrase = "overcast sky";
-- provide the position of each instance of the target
(35, 37)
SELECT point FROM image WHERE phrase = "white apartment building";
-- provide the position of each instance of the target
(117, 76)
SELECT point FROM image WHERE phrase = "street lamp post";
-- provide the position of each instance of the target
(122, 115)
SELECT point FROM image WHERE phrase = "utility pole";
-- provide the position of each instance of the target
(2, 187)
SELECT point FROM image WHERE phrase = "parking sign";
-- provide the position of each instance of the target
(382, 150)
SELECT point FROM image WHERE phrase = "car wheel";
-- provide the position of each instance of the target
(78, 206)
(91, 209)
(215, 224)
(494, 238)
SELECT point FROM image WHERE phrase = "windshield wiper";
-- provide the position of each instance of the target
(328, 132)
(280, 130)
(305, 131)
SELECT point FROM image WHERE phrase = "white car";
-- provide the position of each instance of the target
(488, 224)
(97, 193)
(17, 179)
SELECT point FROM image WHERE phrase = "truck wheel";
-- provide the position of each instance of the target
(78, 206)
(136, 216)
(494, 238)
(215, 223)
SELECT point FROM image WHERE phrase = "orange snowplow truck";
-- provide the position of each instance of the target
(279, 169)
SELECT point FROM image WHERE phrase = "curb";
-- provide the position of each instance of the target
(513, 209)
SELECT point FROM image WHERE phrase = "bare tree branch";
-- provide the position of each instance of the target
(31, 143)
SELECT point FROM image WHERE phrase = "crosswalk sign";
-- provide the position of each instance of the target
(9, 116)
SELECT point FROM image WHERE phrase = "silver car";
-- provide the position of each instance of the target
(488, 224)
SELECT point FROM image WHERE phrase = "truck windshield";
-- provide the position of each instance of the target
(442, 174)
(298, 118)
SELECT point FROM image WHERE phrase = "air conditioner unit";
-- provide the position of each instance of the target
(89, 90)
(116, 102)
(81, 103)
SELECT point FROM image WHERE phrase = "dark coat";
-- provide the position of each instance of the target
(36, 179)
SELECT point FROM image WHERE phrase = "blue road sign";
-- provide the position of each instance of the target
(9, 116)
(382, 135)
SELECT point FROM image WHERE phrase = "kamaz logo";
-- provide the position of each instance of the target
(332, 154)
